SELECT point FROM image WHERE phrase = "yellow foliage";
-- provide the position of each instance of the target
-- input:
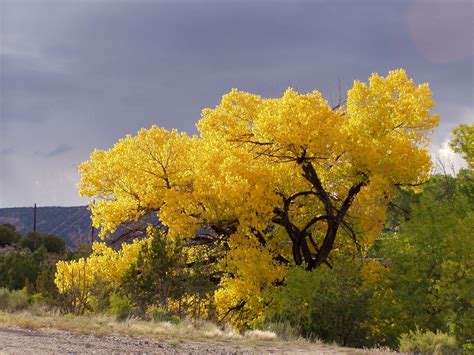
(104, 263)
(244, 296)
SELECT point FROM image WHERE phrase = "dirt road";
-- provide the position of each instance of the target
(48, 341)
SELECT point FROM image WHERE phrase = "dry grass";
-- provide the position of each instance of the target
(172, 334)
(102, 325)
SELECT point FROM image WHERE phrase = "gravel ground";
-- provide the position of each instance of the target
(49, 341)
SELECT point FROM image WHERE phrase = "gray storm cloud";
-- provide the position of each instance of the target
(78, 75)
(58, 150)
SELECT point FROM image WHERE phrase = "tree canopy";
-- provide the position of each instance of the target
(292, 166)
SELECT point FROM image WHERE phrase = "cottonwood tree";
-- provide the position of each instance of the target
(273, 181)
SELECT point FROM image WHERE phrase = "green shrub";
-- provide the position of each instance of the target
(13, 301)
(100, 296)
(331, 305)
(54, 244)
(46, 287)
(120, 307)
(19, 300)
(32, 241)
(18, 267)
(428, 342)
(37, 298)
(430, 274)
(158, 314)
(284, 330)
(4, 298)
(8, 234)
(161, 273)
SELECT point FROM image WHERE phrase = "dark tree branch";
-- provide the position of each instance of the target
(353, 191)
(260, 237)
(235, 308)
(312, 222)
(133, 233)
(315, 246)
(400, 184)
(352, 234)
(281, 259)
(309, 173)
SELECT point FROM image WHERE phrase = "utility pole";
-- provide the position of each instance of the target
(92, 235)
(34, 218)
(92, 228)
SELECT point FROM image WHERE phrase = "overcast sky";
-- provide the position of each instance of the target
(78, 75)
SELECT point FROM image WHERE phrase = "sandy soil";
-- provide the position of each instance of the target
(49, 341)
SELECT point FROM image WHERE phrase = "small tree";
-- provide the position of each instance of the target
(32, 240)
(463, 142)
(52, 243)
(330, 305)
(161, 275)
(17, 267)
(8, 234)
(152, 279)
(430, 262)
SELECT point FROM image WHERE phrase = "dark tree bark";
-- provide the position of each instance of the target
(334, 217)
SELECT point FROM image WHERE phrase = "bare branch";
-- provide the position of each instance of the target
(313, 221)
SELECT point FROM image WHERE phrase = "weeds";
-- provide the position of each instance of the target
(13, 300)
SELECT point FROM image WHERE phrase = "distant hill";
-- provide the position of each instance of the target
(71, 223)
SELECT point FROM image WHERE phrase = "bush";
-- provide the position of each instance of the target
(100, 296)
(39, 305)
(428, 342)
(13, 301)
(17, 267)
(331, 305)
(8, 235)
(284, 330)
(19, 300)
(158, 314)
(37, 298)
(54, 244)
(161, 275)
(120, 307)
(32, 241)
(4, 298)
(430, 265)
